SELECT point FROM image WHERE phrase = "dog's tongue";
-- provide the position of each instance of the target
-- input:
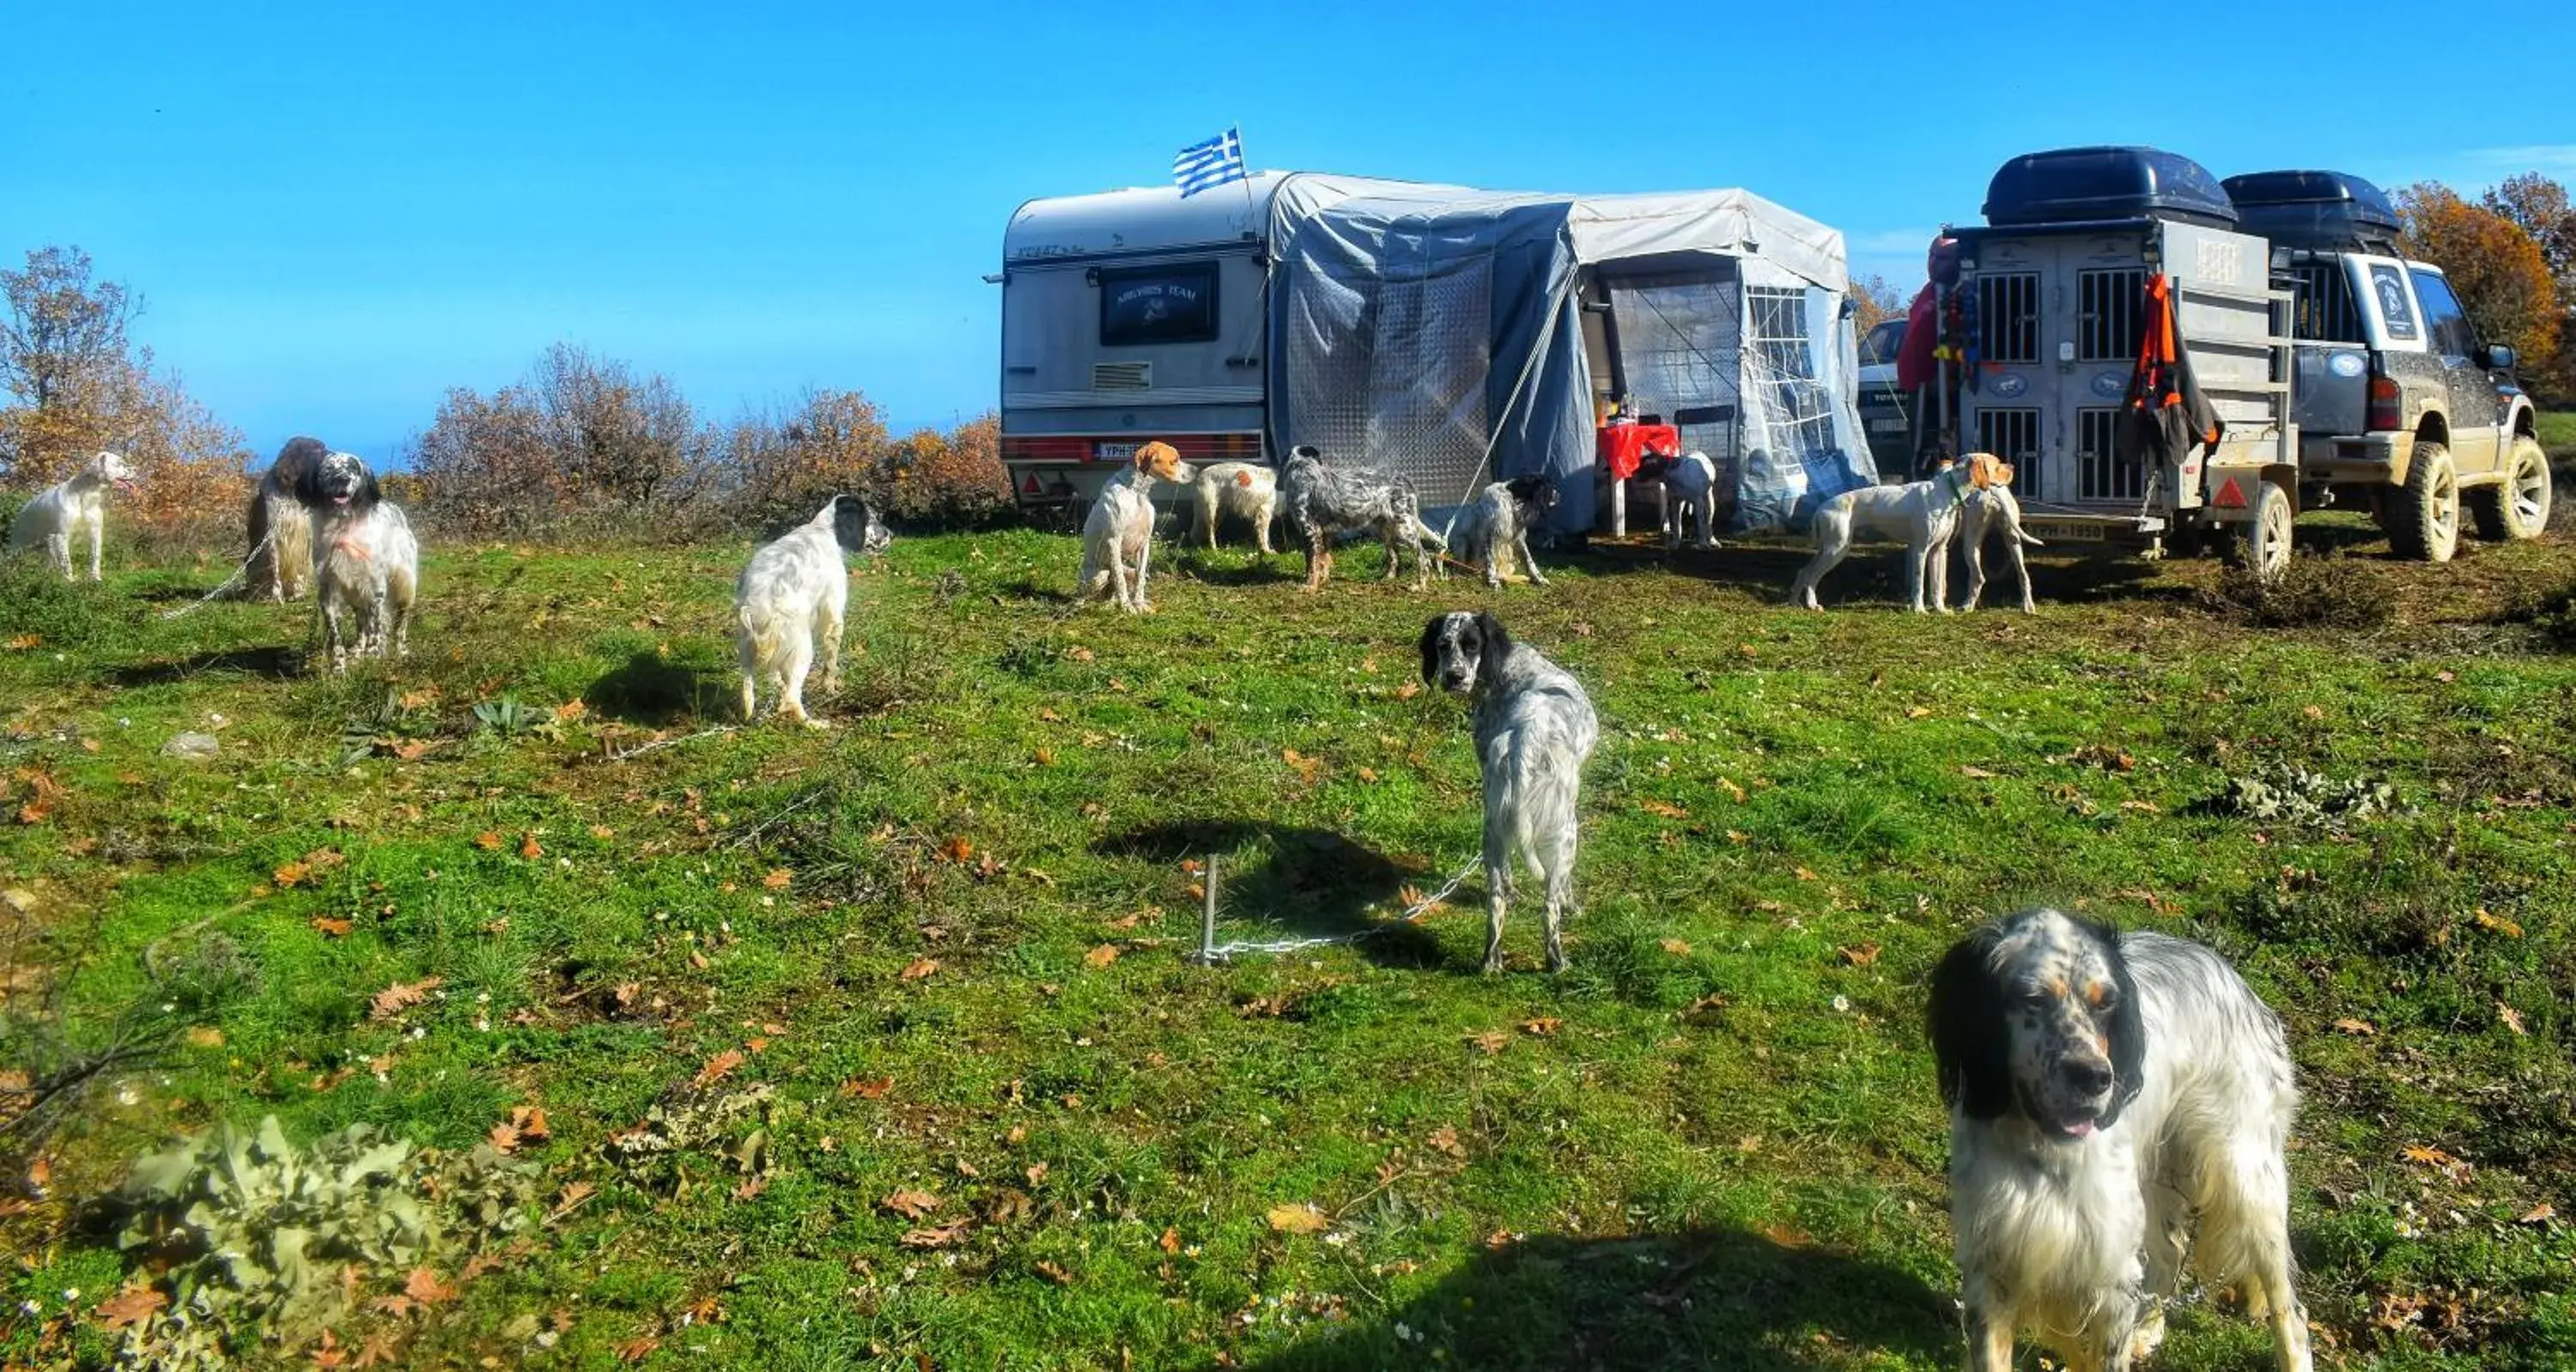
(2079, 1129)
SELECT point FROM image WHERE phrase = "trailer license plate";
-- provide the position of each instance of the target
(2069, 533)
(1113, 452)
(1887, 426)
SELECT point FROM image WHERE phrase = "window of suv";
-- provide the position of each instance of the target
(2396, 312)
(2447, 322)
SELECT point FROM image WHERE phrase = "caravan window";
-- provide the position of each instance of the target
(1174, 303)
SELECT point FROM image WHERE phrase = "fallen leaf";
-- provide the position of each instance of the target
(326, 1353)
(1677, 947)
(1053, 1273)
(1445, 1139)
(1728, 785)
(867, 1088)
(750, 1187)
(919, 968)
(779, 880)
(2538, 1214)
(377, 1351)
(637, 1349)
(2430, 1157)
(424, 1286)
(1979, 773)
(1037, 1173)
(717, 1068)
(529, 848)
(89, 745)
(2144, 807)
(2312, 712)
(395, 999)
(1917, 711)
(289, 874)
(206, 1036)
(938, 1237)
(23, 642)
(2357, 1027)
(1859, 954)
(1806, 875)
(488, 841)
(2498, 923)
(503, 1139)
(1101, 956)
(1492, 1040)
(530, 1121)
(1171, 1240)
(911, 1203)
(1541, 1027)
(573, 1194)
(136, 1304)
(2512, 1019)
(334, 928)
(1408, 690)
(1298, 1219)
(1664, 808)
(571, 710)
(957, 850)
(1044, 757)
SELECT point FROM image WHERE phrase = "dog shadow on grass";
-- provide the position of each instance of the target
(277, 662)
(1705, 1298)
(657, 691)
(1280, 881)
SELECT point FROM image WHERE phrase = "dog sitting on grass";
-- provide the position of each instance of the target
(1118, 535)
(796, 591)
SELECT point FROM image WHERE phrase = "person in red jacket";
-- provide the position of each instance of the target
(1918, 358)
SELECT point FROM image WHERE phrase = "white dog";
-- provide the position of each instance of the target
(1118, 536)
(1494, 528)
(1534, 730)
(1994, 508)
(1247, 490)
(367, 564)
(1923, 513)
(1690, 491)
(2115, 1099)
(795, 591)
(66, 510)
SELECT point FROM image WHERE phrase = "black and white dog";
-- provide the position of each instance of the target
(1534, 730)
(1490, 529)
(795, 591)
(281, 530)
(2110, 1094)
(365, 560)
(1323, 502)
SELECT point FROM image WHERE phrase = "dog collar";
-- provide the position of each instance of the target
(1958, 492)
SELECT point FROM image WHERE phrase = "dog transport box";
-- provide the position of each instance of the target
(2064, 295)
(1456, 336)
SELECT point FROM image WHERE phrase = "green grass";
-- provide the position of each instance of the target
(1715, 1142)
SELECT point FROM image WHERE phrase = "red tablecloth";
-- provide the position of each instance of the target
(1618, 446)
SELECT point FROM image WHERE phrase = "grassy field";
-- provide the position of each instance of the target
(877, 1047)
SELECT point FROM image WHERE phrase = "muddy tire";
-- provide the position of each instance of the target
(2519, 507)
(2424, 514)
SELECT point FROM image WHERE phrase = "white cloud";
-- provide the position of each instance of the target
(2557, 159)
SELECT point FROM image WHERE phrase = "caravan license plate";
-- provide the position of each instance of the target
(1113, 452)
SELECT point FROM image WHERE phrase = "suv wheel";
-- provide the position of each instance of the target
(2519, 507)
(2424, 514)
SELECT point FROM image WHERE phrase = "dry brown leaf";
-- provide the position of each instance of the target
(1859, 954)
(206, 1036)
(717, 1068)
(779, 879)
(957, 850)
(131, 1306)
(2143, 807)
(637, 1349)
(529, 848)
(1677, 947)
(1298, 1219)
(290, 873)
(1037, 1172)
(867, 1088)
(333, 928)
(413, 751)
(1171, 1240)
(23, 642)
(1917, 711)
(1978, 773)
(395, 999)
(1101, 956)
(2538, 1214)
(1445, 1139)
(488, 841)
(912, 1203)
(2512, 1019)
(1408, 690)
(377, 1351)
(571, 710)
(938, 1237)
(573, 1194)
(2358, 1027)
(326, 1352)
(503, 1138)
(2430, 1157)
(1492, 1040)
(1806, 875)
(1728, 785)
(917, 969)
(2498, 923)
(424, 1286)
(530, 1121)
(1541, 1027)
(1664, 808)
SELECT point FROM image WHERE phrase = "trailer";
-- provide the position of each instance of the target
(2056, 293)
(1452, 335)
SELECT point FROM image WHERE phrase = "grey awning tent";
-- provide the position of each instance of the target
(1440, 331)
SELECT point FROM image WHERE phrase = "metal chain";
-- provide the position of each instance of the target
(1412, 915)
(229, 582)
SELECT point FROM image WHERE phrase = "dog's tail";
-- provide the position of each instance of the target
(766, 618)
(2026, 538)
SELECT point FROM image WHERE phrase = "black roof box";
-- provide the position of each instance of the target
(2321, 211)
(2092, 185)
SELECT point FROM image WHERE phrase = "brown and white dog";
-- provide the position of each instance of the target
(1118, 536)
(1247, 490)
(1925, 514)
(70, 508)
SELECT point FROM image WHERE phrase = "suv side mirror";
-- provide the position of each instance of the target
(2501, 358)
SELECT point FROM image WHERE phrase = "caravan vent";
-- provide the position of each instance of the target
(1122, 376)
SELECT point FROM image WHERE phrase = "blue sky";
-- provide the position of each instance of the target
(337, 212)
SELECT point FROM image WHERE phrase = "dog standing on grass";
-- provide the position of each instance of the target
(70, 508)
(1925, 514)
(795, 591)
(1494, 527)
(2116, 1100)
(1324, 502)
(1245, 489)
(1994, 509)
(1118, 535)
(366, 562)
(281, 530)
(1534, 730)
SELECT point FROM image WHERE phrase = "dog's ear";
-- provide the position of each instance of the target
(308, 483)
(1971, 1042)
(2127, 1029)
(1431, 650)
(369, 492)
(1493, 648)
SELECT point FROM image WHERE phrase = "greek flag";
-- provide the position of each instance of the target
(1208, 165)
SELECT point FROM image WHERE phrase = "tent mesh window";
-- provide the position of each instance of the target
(2008, 317)
(2110, 318)
(1679, 338)
(1797, 411)
(1390, 373)
(2099, 475)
